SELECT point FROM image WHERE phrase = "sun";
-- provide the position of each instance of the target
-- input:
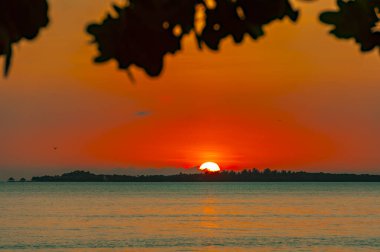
(209, 167)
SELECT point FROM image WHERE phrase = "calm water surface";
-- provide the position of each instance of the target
(190, 216)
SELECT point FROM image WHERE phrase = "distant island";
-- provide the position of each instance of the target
(253, 175)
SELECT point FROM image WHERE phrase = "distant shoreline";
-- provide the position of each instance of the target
(253, 175)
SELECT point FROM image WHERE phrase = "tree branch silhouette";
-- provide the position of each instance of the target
(144, 31)
(357, 19)
(20, 19)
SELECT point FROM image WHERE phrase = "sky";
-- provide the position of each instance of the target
(297, 99)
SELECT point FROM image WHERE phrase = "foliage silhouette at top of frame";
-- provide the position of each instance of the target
(358, 19)
(146, 30)
(20, 19)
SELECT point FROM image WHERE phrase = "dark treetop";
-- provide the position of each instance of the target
(253, 175)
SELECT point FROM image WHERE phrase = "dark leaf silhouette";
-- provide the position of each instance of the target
(145, 31)
(20, 19)
(356, 19)
(240, 17)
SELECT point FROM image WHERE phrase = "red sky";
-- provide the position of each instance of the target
(297, 99)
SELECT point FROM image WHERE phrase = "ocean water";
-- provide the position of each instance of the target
(190, 216)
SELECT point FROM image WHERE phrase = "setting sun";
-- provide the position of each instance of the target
(209, 167)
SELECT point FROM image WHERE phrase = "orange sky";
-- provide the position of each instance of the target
(297, 99)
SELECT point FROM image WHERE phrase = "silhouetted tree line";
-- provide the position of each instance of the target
(11, 179)
(253, 175)
(144, 31)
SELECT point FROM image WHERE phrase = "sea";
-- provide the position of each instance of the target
(190, 216)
